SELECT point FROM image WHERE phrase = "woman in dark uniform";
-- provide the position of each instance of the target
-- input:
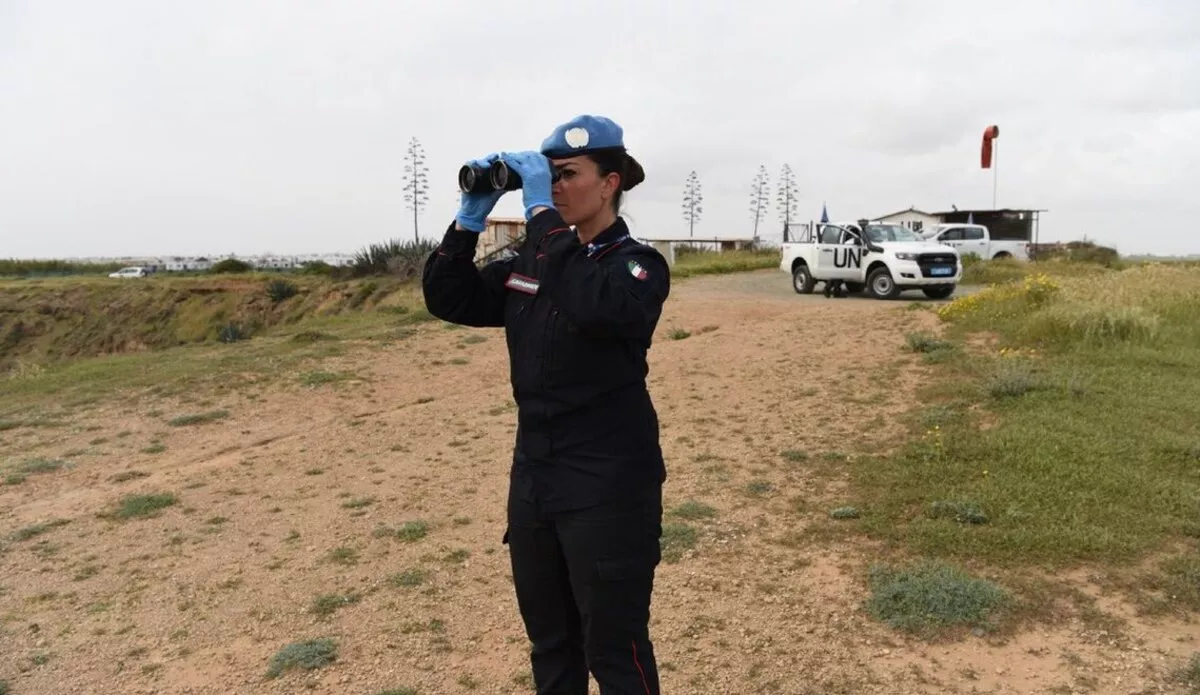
(579, 303)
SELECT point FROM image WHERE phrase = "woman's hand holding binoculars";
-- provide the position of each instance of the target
(484, 181)
(536, 178)
(474, 207)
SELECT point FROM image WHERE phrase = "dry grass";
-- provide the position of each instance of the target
(1129, 306)
(44, 322)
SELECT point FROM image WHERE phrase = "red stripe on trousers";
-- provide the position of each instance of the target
(639, 666)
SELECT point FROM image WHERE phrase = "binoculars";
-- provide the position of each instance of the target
(496, 177)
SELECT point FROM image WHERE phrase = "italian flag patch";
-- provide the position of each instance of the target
(637, 270)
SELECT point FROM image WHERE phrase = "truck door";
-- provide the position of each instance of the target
(840, 255)
(951, 237)
(827, 240)
(974, 241)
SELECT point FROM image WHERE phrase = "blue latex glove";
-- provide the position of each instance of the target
(473, 208)
(534, 170)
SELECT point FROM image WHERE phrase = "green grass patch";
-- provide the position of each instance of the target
(415, 316)
(126, 476)
(1072, 438)
(7, 424)
(310, 337)
(198, 418)
(38, 466)
(794, 456)
(409, 531)
(15, 474)
(326, 605)
(692, 510)
(1188, 675)
(1175, 586)
(343, 555)
(677, 538)
(408, 578)
(35, 530)
(931, 348)
(144, 506)
(316, 379)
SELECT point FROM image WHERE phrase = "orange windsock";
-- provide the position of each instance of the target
(990, 133)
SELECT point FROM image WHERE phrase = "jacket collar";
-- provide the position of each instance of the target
(617, 231)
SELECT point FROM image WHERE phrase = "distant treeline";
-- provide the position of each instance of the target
(17, 268)
(392, 258)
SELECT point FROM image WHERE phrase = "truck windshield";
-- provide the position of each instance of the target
(890, 232)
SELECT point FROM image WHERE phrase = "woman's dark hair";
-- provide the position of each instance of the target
(618, 161)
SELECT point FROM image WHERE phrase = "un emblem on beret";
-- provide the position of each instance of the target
(576, 137)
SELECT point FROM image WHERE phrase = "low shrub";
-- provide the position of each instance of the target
(403, 259)
(929, 597)
(307, 656)
(230, 265)
(279, 290)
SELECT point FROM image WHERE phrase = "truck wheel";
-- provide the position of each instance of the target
(941, 292)
(882, 285)
(1001, 256)
(802, 280)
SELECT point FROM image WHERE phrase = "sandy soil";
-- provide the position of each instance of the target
(198, 598)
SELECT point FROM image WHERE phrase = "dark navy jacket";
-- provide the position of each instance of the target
(579, 320)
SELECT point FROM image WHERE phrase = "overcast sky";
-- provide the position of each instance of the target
(250, 126)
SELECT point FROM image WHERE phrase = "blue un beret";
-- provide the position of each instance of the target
(584, 134)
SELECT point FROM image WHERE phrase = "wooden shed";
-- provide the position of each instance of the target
(500, 232)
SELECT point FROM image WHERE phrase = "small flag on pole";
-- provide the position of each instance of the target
(824, 214)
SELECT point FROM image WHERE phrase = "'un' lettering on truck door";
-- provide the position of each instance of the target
(847, 257)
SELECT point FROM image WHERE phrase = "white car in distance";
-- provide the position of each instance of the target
(976, 239)
(133, 272)
(890, 260)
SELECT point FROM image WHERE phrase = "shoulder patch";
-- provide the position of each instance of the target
(637, 270)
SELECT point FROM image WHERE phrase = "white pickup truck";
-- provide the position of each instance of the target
(890, 260)
(976, 239)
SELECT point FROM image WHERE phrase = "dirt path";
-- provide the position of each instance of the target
(388, 492)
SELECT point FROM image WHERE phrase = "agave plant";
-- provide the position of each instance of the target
(279, 290)
(405, 259)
